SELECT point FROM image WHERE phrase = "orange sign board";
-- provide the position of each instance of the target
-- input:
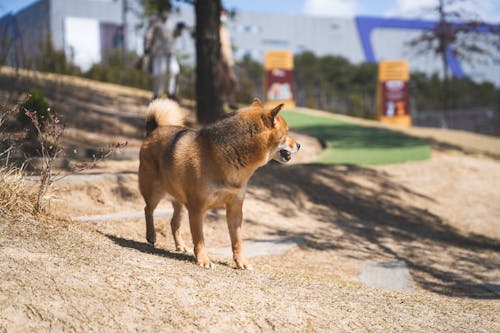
(278, 79)
(393, 70)
(393, 98)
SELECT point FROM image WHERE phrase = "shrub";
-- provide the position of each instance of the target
(36, 104)
(118, 67)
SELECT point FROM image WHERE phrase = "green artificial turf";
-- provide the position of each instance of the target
(348, 143)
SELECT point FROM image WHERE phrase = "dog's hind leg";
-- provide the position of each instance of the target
(152, 197)
(150, 224)
(175, 223)
(152, 193)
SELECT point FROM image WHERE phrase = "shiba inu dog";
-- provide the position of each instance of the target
(206, 168)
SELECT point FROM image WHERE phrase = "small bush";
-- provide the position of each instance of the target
(49, 59)
(118, 67)
(37, 104)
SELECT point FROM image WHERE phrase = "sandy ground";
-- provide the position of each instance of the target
(103, 276)
(441, 217)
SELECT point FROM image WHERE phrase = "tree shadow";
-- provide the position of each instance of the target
(377, 217)
(444, 146)
(85, 107)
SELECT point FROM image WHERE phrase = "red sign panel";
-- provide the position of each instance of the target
(279, 85)
(395, 98)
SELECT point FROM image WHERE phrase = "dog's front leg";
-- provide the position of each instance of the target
(196, 224)
(234, 215)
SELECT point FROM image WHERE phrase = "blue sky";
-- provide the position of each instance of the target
(487, 9)
(7, 6)
(325, 7)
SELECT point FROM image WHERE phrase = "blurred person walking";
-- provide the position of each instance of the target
(229, 81)
(159, 48)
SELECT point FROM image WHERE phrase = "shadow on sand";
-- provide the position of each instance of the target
(148, 248)
(375, 220)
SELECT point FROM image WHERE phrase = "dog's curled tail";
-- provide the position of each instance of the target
(163, 112)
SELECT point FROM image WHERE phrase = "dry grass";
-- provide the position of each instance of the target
(76, 82)
(16, 197)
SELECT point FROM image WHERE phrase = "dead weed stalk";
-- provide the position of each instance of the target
(45, 134)
(48, 136)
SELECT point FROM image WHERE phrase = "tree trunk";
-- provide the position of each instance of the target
(208, 57)
(443, 41)
(446, 89)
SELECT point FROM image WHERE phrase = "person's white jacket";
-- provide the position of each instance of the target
(159, 44)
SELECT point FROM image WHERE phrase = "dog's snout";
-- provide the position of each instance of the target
(298, 146)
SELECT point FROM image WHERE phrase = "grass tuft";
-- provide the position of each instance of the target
(16, 198)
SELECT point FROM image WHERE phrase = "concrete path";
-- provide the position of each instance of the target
(391, 275)
(120, 216)
(262, 247)
(253, 248)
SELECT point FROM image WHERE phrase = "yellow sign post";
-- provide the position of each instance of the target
(393, 100)
(278, 79)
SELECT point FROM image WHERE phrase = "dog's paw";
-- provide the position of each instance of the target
(207, 265)
(184, 249)
(243, 264)
(151, 240)
(203, 261)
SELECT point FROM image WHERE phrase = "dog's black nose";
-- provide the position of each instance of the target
(298, 146)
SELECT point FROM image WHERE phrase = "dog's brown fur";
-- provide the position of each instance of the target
(207, 168)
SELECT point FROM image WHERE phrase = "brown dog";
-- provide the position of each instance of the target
(207, 168)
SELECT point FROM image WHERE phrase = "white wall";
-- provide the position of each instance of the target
(82, 41)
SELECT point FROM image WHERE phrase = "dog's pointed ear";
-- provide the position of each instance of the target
(257, 102)
(276, 110)
(274, 113)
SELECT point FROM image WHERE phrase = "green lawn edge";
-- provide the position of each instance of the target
(349, 143)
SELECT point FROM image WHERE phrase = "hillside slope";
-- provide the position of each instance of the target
(438, 217)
